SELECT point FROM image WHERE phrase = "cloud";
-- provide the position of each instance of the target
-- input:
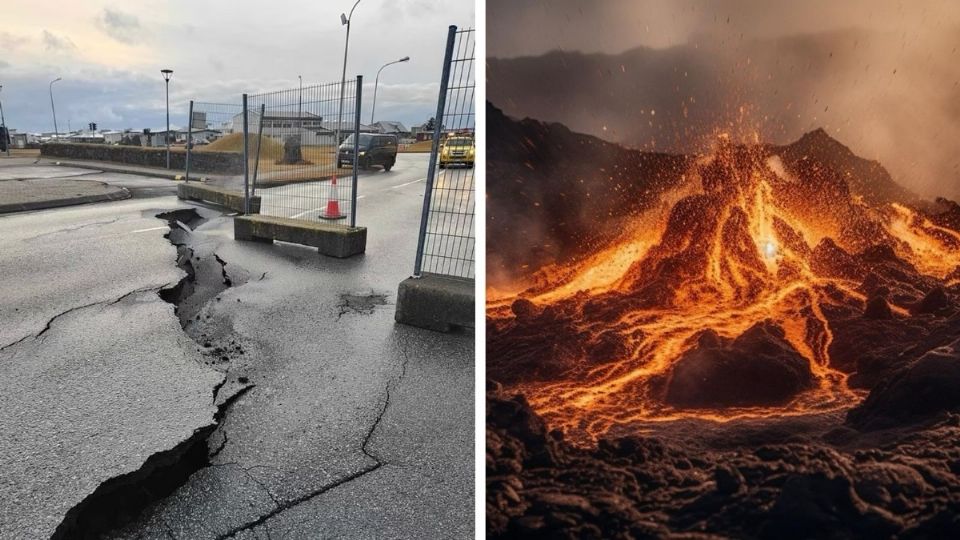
(210, 64)
(54, 43)
(121, 26)
(11, 42)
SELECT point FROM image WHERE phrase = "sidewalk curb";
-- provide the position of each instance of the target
(118, 170)
(120, 194)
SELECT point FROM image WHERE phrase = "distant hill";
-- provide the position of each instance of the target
(860, 86)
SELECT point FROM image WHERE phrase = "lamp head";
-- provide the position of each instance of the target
(167, 73)
(404, 59)
(343, 19)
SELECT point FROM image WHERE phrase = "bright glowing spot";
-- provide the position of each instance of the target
(769, 249)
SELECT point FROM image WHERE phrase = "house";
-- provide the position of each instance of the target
(421, 133)
(83, 136)
(281, 124)
(155, 137)
(112, 136)
(23, 140)
(312, 129)
(390, 127)
(206, 134)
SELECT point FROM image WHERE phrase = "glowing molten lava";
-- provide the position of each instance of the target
(718, 303)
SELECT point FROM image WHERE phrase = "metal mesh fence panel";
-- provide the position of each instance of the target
(447, 237)
(214, 139)
(294, 163)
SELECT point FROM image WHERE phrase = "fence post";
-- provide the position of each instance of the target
(189, 142)
(246, 162)
(256, 164)
(356, 149)
(432, 166)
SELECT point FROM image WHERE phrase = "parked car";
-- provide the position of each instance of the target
(457, 150)
(372, 150)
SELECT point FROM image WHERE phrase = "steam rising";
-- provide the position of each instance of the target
(881, 77)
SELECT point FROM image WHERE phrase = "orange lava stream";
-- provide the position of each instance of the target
(740, 284)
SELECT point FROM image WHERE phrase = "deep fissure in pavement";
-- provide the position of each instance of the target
(121, 499)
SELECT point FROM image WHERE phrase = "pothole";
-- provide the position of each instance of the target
(360, 304)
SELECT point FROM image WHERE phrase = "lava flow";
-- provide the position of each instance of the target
(720, 302)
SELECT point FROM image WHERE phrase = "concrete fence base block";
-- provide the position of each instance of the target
(436, 302)
(233, 200)
(331, 240)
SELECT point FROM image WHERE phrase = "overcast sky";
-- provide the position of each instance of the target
(109, 54)
(881, 76)
(533, 27)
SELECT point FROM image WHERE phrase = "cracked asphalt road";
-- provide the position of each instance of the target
(352, 426)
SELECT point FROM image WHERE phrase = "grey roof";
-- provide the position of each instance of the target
(391, 126)
(347, 126)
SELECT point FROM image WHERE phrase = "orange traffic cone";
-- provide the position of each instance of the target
(333, 206)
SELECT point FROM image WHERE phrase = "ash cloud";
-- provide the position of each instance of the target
(879, 76)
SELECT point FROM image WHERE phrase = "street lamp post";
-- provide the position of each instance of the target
(300, 105)
(3, 124)
(56, 131)
(167, 73)
(377, 83)
(344, 20)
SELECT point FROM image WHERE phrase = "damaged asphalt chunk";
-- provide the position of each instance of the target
(122, 498)
(360, 304)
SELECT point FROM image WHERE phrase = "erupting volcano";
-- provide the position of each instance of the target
(752, 338)
(724, 300)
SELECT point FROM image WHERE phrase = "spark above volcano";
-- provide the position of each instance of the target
(738, 294)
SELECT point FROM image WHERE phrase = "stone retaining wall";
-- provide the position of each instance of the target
(202, 162)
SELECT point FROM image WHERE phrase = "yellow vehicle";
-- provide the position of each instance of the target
(457, 150)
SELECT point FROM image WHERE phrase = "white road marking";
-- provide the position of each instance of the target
(407, 184)
(295, 216)
(150, 229)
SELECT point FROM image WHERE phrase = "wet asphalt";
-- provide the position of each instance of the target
(353, 426)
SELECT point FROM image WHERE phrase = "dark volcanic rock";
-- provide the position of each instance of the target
(935, 301)
(823, 506)
(757, 368)
(922, 390)
(877, 308)
(830, 260)
(644, 487)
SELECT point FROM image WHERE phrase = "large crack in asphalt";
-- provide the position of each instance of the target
(121, 499)
(378, 462)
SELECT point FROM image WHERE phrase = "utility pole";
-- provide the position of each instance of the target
(377, 83)
(344, 20)
(3, 124)
(167, 73)
(56, 131)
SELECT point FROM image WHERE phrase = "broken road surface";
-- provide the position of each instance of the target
(98, 377)
(329, 419)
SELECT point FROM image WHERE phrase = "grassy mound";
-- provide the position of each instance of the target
(272, 149)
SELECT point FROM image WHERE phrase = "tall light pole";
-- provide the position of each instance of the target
(167, 73)
(3, 124)
(345, 21)
(56, 131)
(377, 83)
(300, 105)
